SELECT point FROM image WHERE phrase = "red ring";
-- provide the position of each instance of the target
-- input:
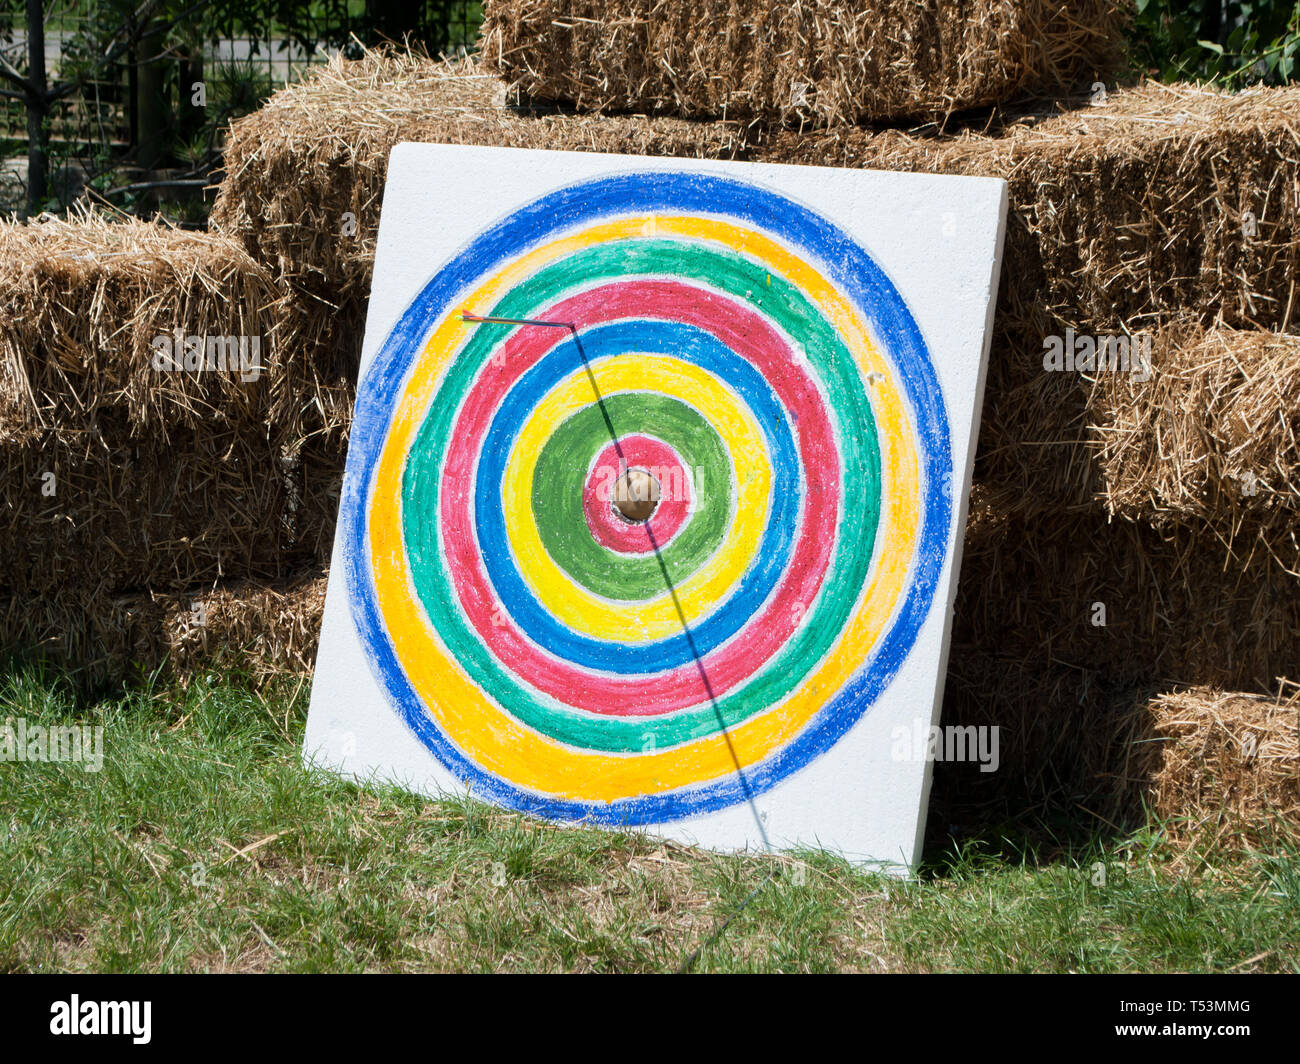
(614, 531)
(750, 336)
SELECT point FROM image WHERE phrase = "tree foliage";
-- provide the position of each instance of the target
(1227, 42)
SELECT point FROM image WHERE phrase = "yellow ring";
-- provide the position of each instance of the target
(496, 741)
(705, 589)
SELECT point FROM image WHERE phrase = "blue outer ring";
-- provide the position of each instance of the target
(691, 345)
(858, 277)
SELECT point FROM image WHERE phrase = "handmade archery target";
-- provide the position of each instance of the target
(737, 372)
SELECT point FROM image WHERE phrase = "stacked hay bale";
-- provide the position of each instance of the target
(157, 517)
(147, 443)
(1063, 621)
(1158, 212)
(831, 62)
(1167, 211)
(1135, 526)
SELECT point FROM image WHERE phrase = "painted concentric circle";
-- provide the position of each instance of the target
(607, 520)
(753, 359)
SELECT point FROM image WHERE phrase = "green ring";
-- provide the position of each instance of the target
(847, 402)
(560, 478)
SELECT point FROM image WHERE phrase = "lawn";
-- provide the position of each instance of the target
(203, 845)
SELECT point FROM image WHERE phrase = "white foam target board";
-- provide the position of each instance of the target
(796, 357)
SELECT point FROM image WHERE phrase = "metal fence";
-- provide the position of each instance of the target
(102, 120)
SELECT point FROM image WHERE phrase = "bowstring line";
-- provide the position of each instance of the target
(681, 616)
(677, 605)
(654, 543)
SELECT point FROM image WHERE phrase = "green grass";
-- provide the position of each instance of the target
(202, 844)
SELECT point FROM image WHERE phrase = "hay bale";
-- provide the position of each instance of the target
(1224, 768)
(119, 473)
(1165, 200)
(1038, 451)
(1168, 209)
(89, 307)
(1195, 426)
(1125, 216)
(1204, 766)
(1030, 654)
(305, 175)
(93, 640)
(1179, 606)
(829, 62)
(1212, 436)
(263, 628)
(1067, 741)
(87, 513)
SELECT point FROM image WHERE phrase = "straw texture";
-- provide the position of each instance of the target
(829, 62)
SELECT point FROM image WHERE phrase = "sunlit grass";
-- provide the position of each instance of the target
(204, 845)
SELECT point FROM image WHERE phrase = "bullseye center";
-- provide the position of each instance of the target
(636, 494)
